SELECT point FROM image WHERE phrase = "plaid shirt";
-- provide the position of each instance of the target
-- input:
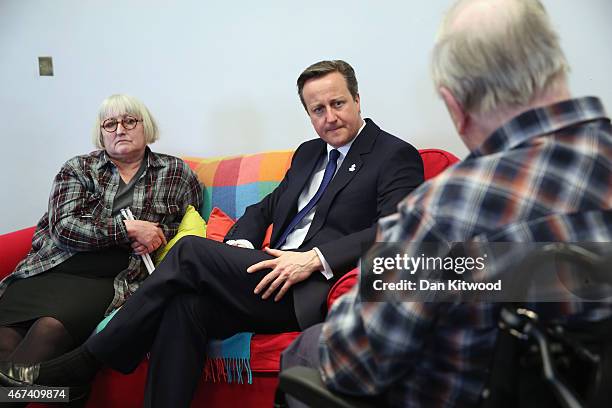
(79, 216)
(544, 176)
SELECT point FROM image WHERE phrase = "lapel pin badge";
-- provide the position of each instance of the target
(352, 168)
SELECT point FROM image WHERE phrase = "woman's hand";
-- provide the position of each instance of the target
(146, 236)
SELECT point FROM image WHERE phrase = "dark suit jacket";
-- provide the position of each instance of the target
(387, 169)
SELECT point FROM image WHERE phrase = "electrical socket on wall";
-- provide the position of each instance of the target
(45, 66)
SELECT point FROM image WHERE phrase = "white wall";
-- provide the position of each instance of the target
(219, 76)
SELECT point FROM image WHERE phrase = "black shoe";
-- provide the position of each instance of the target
(25, 375)
(18, 374)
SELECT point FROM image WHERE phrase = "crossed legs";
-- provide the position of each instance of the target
(200, 291)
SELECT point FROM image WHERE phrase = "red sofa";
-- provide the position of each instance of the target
(112, 389)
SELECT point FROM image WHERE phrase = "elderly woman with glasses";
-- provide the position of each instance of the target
(86, 258)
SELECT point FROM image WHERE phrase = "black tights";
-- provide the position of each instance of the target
(34, 341)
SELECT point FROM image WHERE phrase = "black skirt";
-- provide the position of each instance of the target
(77, 292)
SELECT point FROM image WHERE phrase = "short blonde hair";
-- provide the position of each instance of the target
(492, 66)
(121, 104)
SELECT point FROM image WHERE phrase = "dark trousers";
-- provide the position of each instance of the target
(200, 291)
(303, 351)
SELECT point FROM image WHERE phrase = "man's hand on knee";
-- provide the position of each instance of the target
(288, 268)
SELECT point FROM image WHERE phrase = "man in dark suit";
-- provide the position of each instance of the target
(324, 214)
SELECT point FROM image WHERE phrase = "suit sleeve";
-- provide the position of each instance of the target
(401, 174)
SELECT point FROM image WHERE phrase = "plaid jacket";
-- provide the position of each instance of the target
(544, 176)
(79, 214)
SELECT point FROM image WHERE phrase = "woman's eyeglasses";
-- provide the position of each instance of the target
(128, 123)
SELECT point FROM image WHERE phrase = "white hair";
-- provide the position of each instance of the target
(501, 62)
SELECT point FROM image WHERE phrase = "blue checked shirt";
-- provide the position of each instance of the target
(544, 176)
(80, 218)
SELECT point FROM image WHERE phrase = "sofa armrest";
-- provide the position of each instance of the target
(343, 285)
(14, 247)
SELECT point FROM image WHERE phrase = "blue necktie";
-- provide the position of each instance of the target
(330, 170)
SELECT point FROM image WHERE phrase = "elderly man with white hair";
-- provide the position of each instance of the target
(539, 168)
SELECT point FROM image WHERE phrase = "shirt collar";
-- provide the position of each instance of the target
(541, 121)
(153, 160)
(104, 160)
(344, 149)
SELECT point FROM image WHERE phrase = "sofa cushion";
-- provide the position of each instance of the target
(235, 182)
(219, 223)
(191, 224)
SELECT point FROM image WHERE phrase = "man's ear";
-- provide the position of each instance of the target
(458, 115)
